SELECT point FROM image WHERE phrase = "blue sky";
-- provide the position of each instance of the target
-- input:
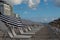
(43, 12)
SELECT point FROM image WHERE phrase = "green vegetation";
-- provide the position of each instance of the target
(55, 23)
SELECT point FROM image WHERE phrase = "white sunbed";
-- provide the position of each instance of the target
(25, 33)
(5, 29)
(32, 31)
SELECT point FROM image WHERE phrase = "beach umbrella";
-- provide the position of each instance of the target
(11, 21)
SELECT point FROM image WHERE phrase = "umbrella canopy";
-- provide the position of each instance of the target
(11, 21)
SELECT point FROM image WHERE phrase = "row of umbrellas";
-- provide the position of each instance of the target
(11, 21)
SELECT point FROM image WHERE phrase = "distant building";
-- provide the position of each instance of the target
(5, 8)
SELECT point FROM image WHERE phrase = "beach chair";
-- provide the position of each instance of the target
(12, 35)
(31, 32)
(31, 29)
(25, 33)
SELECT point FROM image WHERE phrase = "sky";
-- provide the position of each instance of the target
(44, 12)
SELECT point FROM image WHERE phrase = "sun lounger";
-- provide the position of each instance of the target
(5, 29)
(31, 32)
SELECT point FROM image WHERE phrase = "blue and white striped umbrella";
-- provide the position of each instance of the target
(11, 21)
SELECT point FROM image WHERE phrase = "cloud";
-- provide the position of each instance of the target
(34, 8)
(14, 2)
(25, 12)
(54, 18)
(17, 1)
(45, 19)
(57, 3)
(45, 0)
(33, 3)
